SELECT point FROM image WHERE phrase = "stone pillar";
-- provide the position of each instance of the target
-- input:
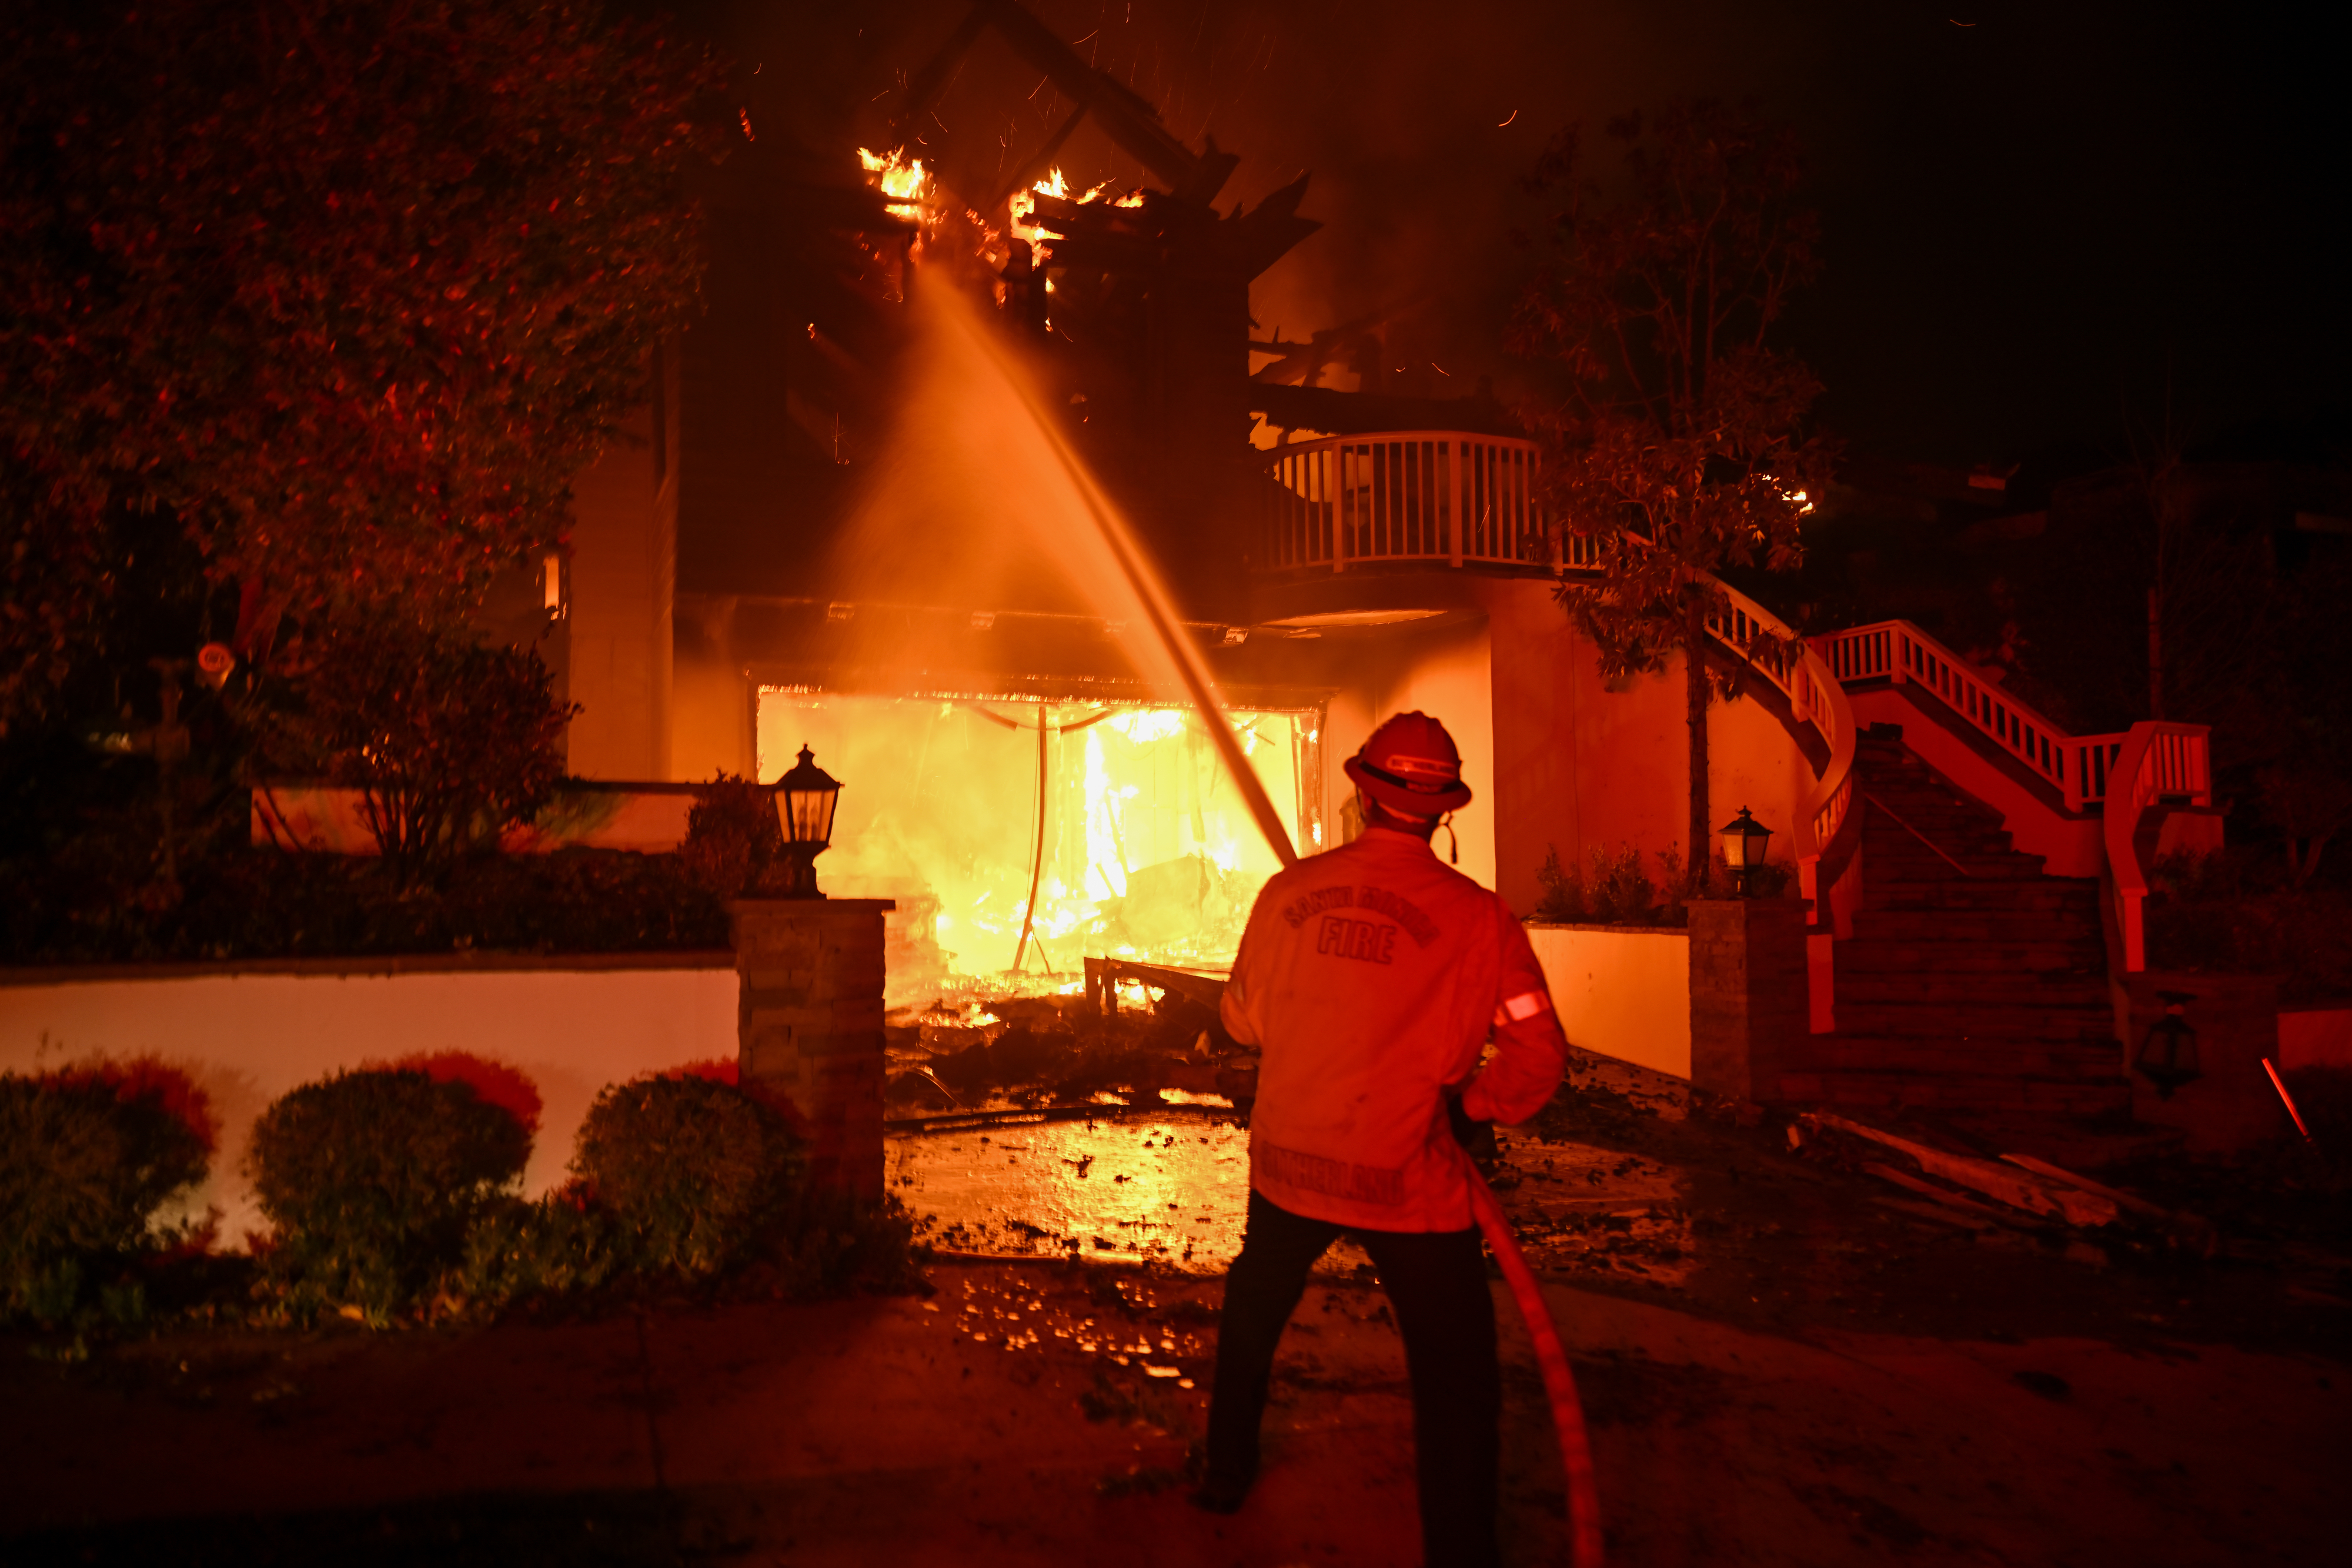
(809, 1025)
(1748, 993)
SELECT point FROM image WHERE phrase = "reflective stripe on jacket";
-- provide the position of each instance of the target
(1369, 976)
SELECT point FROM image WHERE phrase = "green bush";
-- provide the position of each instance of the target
(373, 1179)
(1616, 892)
(448, 741)
(518, 1251)
(87, 1155)
(698, 1175)
(733, 837)
(833, 1244)
(2214, 913)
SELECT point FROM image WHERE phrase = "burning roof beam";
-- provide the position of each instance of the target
(930, 83)
(1127, 119)
(1038, 162)
(1140, 238)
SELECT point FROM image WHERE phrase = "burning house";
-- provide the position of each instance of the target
(840, 528)
(858, 519)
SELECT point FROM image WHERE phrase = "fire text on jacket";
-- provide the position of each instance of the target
(1372, 941)
(1403, 911)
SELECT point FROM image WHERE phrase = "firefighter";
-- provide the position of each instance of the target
(1371, 977)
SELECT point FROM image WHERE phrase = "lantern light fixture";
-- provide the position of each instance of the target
(2168, 1057)
(1744, 841)
(806, 798)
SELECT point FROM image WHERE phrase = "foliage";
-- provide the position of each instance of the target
(2308, 803)
(498, 1083)
(372, 1179)
(350, 291)
(272, 903)
(2222, 914)
(1616, 890)
(448, 741)
(87, 1155)
(733, 839)
(518, 1252)
(1680, 448)
(698, 1175)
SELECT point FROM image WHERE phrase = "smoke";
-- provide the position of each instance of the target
(2025, 214)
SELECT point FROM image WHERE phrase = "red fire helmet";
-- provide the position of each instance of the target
(1410, 765)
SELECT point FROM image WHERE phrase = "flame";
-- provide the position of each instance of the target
(1056, 185)
(1794, 497)
(1150, 852)
(899, 177)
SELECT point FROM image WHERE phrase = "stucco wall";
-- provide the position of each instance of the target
(1620, 991)
(623, 573)
(1444, 672)
(1582, 763)
(249, 1037)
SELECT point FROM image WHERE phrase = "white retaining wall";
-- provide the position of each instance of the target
(1624, 991)
(249, 1034)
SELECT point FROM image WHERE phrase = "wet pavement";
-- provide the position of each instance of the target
(1783, 1362)
(1172, 1189)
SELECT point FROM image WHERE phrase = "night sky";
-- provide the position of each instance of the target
(2040, 228)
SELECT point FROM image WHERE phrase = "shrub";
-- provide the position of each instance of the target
(524, 1252)
(493, 1082)
(835, 1243)
(2212, 913)
(698, 1175)
(87, 1155)
(372, 1179)
(732, 836)
(1616, 892)
(448, 741)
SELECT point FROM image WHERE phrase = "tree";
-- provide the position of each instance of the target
(1680, 446)
(350, 287)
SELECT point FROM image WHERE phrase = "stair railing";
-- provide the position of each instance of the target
(2157, 762)
(1900, 652)
(1815, 697)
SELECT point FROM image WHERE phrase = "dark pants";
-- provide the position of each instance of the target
(1436, 1281)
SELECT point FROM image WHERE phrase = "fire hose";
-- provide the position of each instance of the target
(1567, 1410)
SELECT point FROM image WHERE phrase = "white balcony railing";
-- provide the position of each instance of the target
(1431, 496)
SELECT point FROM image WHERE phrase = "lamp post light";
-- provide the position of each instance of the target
(2168, 1057)
(1744, 839)
(805, 802)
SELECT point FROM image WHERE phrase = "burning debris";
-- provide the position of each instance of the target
(1064, 1052)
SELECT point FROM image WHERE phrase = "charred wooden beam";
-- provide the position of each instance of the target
(923, 93)
(1038, 162)
(1127, 119)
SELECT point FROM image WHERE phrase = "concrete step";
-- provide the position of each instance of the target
(1952, 956)
(1880, 838)
(1900, 1054)
(1975, 926)
(2065, 1023)
(1980, 894)
(1971, 989)
(1987, 1093)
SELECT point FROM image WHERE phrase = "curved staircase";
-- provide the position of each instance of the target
(1972, 982)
